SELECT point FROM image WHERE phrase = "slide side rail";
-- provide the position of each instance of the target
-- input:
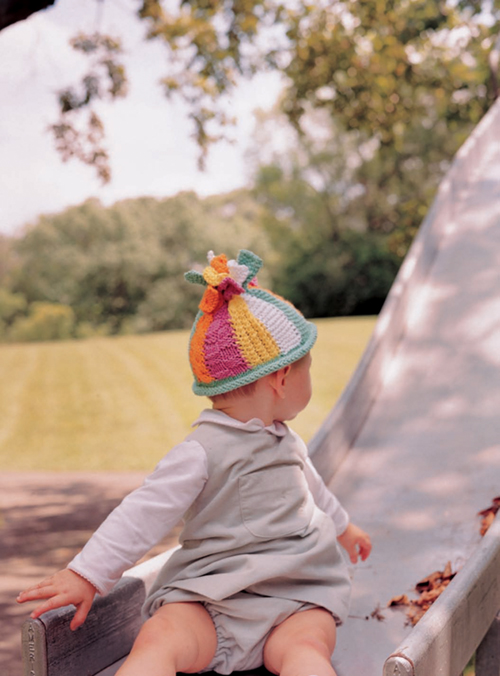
(461, 621)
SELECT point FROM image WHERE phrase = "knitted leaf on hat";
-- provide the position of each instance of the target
(252, 262)
(195, 277)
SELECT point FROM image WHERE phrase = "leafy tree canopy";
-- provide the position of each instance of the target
(381, 67)
(123, 265)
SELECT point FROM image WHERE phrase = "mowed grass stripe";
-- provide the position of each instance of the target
(61, 411)
(153, 394)
(16, 365)
(122, 402)
(97, 404)
(166, 361)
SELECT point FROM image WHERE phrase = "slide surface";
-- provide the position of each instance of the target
(413, 446)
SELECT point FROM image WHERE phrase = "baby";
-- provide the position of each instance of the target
(259, 578)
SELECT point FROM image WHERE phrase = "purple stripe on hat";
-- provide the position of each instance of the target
(222, 354)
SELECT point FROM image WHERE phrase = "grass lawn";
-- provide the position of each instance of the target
(120, 403)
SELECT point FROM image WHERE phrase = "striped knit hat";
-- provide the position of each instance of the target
(242, 332)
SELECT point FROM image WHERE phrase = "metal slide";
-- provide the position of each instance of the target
(413, 447)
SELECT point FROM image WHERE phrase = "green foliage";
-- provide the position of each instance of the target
(327, 260)
(12, 306)
(209, 44)
(401, 84)
(470, 669)
(6, 259)
(347, 276)
(46, 321)
(121, 268)
(379, 96)
(94, 271)
(408, 80)
(383, 69)
(106, 79)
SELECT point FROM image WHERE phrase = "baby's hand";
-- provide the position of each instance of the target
(356, 543)
(62, 589)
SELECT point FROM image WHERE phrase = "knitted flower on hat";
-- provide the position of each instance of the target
(242, 332)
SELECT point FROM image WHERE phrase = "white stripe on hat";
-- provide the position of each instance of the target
(284, 332)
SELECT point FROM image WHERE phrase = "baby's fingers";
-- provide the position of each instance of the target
(365, 547)
(352, 553)
(42, 590)
(52, 603)
(81, 615)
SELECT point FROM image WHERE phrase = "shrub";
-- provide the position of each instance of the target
(11, 306)
(351, 275)
(46, 321)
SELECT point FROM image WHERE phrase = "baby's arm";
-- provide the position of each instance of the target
(62, 589)
(144, 517)
(138, 523)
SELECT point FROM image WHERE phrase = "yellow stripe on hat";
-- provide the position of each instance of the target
(254, 340)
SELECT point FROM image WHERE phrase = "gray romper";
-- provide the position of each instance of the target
(255, 547)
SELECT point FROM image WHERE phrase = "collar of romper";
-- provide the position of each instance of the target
(277, 428)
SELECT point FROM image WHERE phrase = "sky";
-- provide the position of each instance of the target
(148, 137)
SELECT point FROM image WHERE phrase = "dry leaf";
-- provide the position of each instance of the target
(377, 614)
(447, 574)
(430, 596)
(401, 600)
(486, 522)
(489, 514)
(429, 589)
(428, 582)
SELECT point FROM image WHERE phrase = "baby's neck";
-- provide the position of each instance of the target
(245, 408)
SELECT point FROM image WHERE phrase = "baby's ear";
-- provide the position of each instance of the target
(278, 380)
(286, 370)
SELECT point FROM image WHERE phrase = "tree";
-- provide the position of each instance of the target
(121, 268)
(325, 258)
(12, 307)
(382, 68)
(349, 276)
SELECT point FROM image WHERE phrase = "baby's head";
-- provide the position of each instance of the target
(243, 333)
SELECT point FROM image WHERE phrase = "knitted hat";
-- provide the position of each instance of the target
(242, 332)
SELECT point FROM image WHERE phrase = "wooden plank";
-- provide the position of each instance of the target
(34, 647)
(447, 636)
(50, 648)
(112, 669)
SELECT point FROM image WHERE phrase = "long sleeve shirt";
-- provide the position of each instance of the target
(150, 512)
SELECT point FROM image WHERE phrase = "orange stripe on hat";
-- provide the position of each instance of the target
(197, 350)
